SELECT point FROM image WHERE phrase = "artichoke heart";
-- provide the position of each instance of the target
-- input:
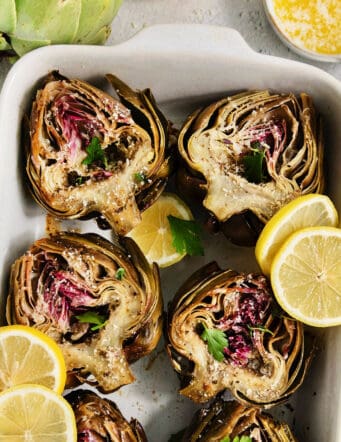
(227, 420)
(100, 301)
(225, 331)
(89, 154)
(252, 153)
(100, 420)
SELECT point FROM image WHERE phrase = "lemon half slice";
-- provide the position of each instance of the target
(305, 211)
(153, 234)
(306, 276)
(30, 356)
(35, 413)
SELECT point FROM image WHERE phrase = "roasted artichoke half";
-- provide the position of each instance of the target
(227, 420)
(225, 331)
(89, 154)
(100, 301)
(99, 420)
(247, 155)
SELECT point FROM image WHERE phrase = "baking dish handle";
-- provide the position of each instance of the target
(206, 38)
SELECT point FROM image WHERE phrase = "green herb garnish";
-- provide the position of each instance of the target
(236, 439)
(95, 153)
(120, 273)
(260, 328)
(139, 177)
(216, 342)
(80, 180)
(98, 320)
(186, 236)
(253, 164)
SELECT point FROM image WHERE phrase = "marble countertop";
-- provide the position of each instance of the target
(246, 16)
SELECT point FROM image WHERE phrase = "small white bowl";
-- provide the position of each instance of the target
(274, 21)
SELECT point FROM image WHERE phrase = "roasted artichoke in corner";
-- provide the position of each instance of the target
(225, 331)
(99, 419)
(90, 155)
(226, 420)
(100, 301)
(249, 154)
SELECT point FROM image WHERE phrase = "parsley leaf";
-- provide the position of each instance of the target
(139, 177)
(95, 153)
(260, 328)
(236, 439)
(79, 180)
(253, 164)
(92, 318)
(186, 236)
(216, 342)
(120, 273)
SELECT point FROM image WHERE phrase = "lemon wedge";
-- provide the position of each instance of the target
(153, 234)
(306, 276)
(305, 211)
(30, 356)
(35, 413)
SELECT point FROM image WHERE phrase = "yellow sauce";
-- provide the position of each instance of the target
(311, 24)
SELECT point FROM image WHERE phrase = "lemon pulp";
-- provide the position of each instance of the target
(306, 276)
(29, 356)
(311, 24)
(153, 234)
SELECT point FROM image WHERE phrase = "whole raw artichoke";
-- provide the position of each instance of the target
(90, 155)
(27, 24)
(247, 155)
(227, 420)
(225, 331)
(99, 420)
(100, 301)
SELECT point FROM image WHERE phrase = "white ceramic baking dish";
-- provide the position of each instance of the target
(185, 66)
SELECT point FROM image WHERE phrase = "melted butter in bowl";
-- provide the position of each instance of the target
(312, 28)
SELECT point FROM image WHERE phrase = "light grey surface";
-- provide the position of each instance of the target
(246, 16)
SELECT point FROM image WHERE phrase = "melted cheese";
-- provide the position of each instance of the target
(314, 25)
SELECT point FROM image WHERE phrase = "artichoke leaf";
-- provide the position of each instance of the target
(22, 46)
(229, 419)
(4, 45)
(104, 12)
(54, 20)
(8, 16)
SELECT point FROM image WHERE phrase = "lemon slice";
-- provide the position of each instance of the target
(29, 356)
(305, 211)
(153, 234)
(35, 413)
(306, 276)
